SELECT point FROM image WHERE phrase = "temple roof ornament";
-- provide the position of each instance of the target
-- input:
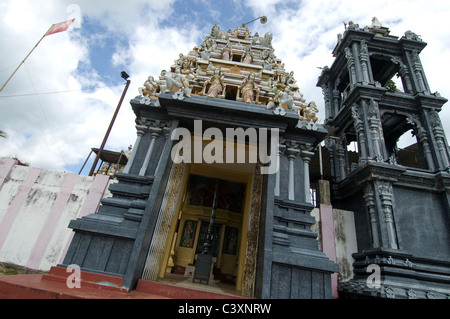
(233, 65)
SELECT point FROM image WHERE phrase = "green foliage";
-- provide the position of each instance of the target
(390, 85)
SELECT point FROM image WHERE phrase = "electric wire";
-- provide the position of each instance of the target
(58, 92)
(45, 117)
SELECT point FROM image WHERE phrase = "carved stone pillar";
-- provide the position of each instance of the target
(155, 132)
(360, 134)
(291, 151)
(375, 137)
(326, 95)
(370, 204)
(418, 72)
(281, 149)
(439, 137)
(330, 146)
(336, 101)
(351, 66)
(376, 132)
(423, 140)
(403, 70)
(364, 60)
(141, 129)
(306, 157)
(342, 171)
(385, 191)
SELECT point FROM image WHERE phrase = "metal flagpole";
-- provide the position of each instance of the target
(58, 28)
(1, 89)
(124, 76)
(210, 237)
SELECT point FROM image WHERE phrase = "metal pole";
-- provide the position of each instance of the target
(209, 236)
(81, 169)
(23, 61)
(109, 128)
(320, 161)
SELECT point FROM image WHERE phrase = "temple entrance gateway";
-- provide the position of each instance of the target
(230, 227)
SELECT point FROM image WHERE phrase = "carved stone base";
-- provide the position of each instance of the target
(395, 275)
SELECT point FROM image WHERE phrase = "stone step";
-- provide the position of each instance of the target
(177, 292)
(95, 280)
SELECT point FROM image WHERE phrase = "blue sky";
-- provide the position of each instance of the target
(60, 102)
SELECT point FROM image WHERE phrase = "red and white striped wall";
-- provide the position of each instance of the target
(36, 206)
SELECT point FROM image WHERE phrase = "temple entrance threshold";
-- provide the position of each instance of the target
(214, 286)
(234, 228)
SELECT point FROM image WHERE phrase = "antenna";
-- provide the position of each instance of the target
(262, 19)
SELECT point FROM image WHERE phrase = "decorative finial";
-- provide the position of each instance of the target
(376, 23)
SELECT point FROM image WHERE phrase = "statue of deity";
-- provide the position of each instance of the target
(216, 84)
(247, 87)
(149, 87)
(226, 53)
(173, 79)
(186, 89)
(247, 57)
(187, 65)
(283, 97)
(308, 113)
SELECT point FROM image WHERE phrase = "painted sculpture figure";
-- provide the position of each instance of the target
(216, 84)
(247, 88)
(232, 65)
(149, 87)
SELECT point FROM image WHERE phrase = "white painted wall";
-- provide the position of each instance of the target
(345, 240)
(35, 212)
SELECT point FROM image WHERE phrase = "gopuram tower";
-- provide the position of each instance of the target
(400, 197)
(218, 182)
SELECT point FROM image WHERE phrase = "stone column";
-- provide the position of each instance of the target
(351, 66)
(281, 149)
(329, 108)
(341, 161)
(418, 72)
(403, 70)
(370, 204)
(330, 145)
(359, 129)
(439, 135)
(336, 103)
(155, 132)
(291, 153)
(306, 157)
(364, 60)
(141, 129)
(385, 189)
(423, 140)
(376, 133)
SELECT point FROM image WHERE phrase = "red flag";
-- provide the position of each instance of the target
(59, 27)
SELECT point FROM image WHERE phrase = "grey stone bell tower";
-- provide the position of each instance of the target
(401, 203)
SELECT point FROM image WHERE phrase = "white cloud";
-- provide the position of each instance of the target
(57, 130)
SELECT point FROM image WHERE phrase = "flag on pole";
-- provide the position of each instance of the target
(55, 28)
(59, 27)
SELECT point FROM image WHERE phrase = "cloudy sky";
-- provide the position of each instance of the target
(60, 102)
